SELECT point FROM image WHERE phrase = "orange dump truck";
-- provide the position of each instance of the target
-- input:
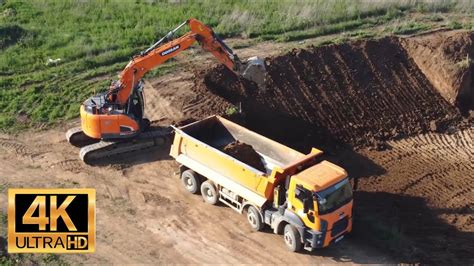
(303, 197)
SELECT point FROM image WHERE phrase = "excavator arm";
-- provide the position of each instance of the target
(165, 49)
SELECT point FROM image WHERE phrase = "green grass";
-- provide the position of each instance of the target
(95, 39)
(454, 25)
(410, 27)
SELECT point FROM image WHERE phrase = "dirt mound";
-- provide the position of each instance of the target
(205, 103)
(244, 153)
(358, 93)
(174, 98)
(446, 60)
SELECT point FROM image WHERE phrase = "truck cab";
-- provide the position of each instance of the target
(321, 196)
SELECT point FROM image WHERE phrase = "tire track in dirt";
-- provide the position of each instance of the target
(158, 105)
(15, 147)
(187, 228)
(71, 165)
(437, 166)
(430, 181)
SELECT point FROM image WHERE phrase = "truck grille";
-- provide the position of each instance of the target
(339, 226)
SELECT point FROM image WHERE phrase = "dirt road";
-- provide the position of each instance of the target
(143, 213)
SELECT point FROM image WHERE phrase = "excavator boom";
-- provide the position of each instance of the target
(165, 49)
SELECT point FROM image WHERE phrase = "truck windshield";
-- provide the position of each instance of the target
(333, 197)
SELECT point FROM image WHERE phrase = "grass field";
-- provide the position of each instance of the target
(95, 39)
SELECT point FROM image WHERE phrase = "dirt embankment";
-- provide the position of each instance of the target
(357, 93)
(446, 60)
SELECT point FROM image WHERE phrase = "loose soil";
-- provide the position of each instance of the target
(244, 153)
(173, 99)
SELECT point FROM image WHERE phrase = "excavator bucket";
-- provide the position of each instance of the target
(255, 71)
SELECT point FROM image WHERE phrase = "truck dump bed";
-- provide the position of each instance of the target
(218, 133)
(200, 144)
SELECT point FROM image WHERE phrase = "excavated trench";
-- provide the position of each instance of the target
(357, 94)
(347, 97)
(446, 60)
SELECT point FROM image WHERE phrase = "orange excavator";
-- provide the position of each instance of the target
(113, 122)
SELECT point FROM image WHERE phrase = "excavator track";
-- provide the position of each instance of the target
(93, 153)
(76, 137)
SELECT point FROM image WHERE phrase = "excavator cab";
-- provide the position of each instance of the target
(103, 118)
(135, 104)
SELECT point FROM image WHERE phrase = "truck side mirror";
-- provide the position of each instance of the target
(306, 203)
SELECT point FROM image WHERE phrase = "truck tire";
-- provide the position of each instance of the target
(254, 219)
(209, 192)
(292, 238)
(191, 181)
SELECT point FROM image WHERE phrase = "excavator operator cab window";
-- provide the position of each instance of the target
(135, 108)
(113, 89)
(137, 104)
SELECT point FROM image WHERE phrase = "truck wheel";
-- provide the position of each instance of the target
(191, 181)
(209, 192)
(292, 238)
(254, 219)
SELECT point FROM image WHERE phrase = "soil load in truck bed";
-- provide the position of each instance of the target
(244, 153)
(225, 150)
